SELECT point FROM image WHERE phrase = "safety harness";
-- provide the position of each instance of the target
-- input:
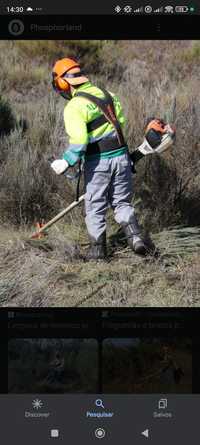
(106, 106)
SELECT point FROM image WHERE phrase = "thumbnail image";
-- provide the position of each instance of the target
(52, 366)
(147, 366)
(100, 141)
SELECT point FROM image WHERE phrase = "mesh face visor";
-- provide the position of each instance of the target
(71, 76)
(65, 75)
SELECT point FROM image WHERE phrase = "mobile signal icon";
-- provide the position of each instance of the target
(158, 10)
(138, 10)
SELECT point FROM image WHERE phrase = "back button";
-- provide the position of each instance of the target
(145, 433)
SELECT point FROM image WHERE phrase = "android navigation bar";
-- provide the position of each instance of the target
(137, 419)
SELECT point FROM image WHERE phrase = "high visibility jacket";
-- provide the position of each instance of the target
(77, 114)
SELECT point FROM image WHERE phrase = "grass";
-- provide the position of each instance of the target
(52, 272)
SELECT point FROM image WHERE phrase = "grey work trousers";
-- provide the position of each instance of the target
(108, 182)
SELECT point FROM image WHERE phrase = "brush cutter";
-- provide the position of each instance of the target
(159, 136)
(42, 228)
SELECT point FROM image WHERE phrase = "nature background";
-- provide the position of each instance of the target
(52, 366)
(128, 365)
(159, 78)
(153, 365)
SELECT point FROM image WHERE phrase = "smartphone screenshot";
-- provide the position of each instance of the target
(99, 219)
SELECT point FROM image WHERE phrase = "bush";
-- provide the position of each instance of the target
(29, 190)
(88, 51)
(7, 118)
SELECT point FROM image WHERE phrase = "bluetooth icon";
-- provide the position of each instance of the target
(118, 9)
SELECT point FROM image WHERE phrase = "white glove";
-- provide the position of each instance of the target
(59, 166)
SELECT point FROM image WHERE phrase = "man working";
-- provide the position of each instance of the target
(94, 120)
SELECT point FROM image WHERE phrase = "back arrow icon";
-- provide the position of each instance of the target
(145, 433)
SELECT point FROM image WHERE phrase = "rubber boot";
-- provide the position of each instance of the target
(97, 250)
(134, 239)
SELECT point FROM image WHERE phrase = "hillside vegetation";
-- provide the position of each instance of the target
(159, 78)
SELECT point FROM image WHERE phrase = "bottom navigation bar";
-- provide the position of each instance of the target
(113, 419)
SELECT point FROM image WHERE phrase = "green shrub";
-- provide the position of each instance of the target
(88, 51)
(192, 54)
(7, 118)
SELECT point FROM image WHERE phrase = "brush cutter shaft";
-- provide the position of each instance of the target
(61, 214)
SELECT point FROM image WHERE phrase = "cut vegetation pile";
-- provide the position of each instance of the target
(53, 272)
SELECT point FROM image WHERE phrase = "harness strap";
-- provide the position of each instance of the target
(105, 105)
(96, 123)
(103, 146)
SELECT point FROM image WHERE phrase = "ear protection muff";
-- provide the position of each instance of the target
(60, 84)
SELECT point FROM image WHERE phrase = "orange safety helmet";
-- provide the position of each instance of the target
(67, 72)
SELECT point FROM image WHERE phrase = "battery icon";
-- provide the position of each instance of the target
(181, 9)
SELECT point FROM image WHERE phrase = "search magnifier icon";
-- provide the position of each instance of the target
(99, 403)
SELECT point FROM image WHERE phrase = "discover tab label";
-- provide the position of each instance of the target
(29, 415)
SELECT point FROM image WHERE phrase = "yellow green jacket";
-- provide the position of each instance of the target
(77, 114)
